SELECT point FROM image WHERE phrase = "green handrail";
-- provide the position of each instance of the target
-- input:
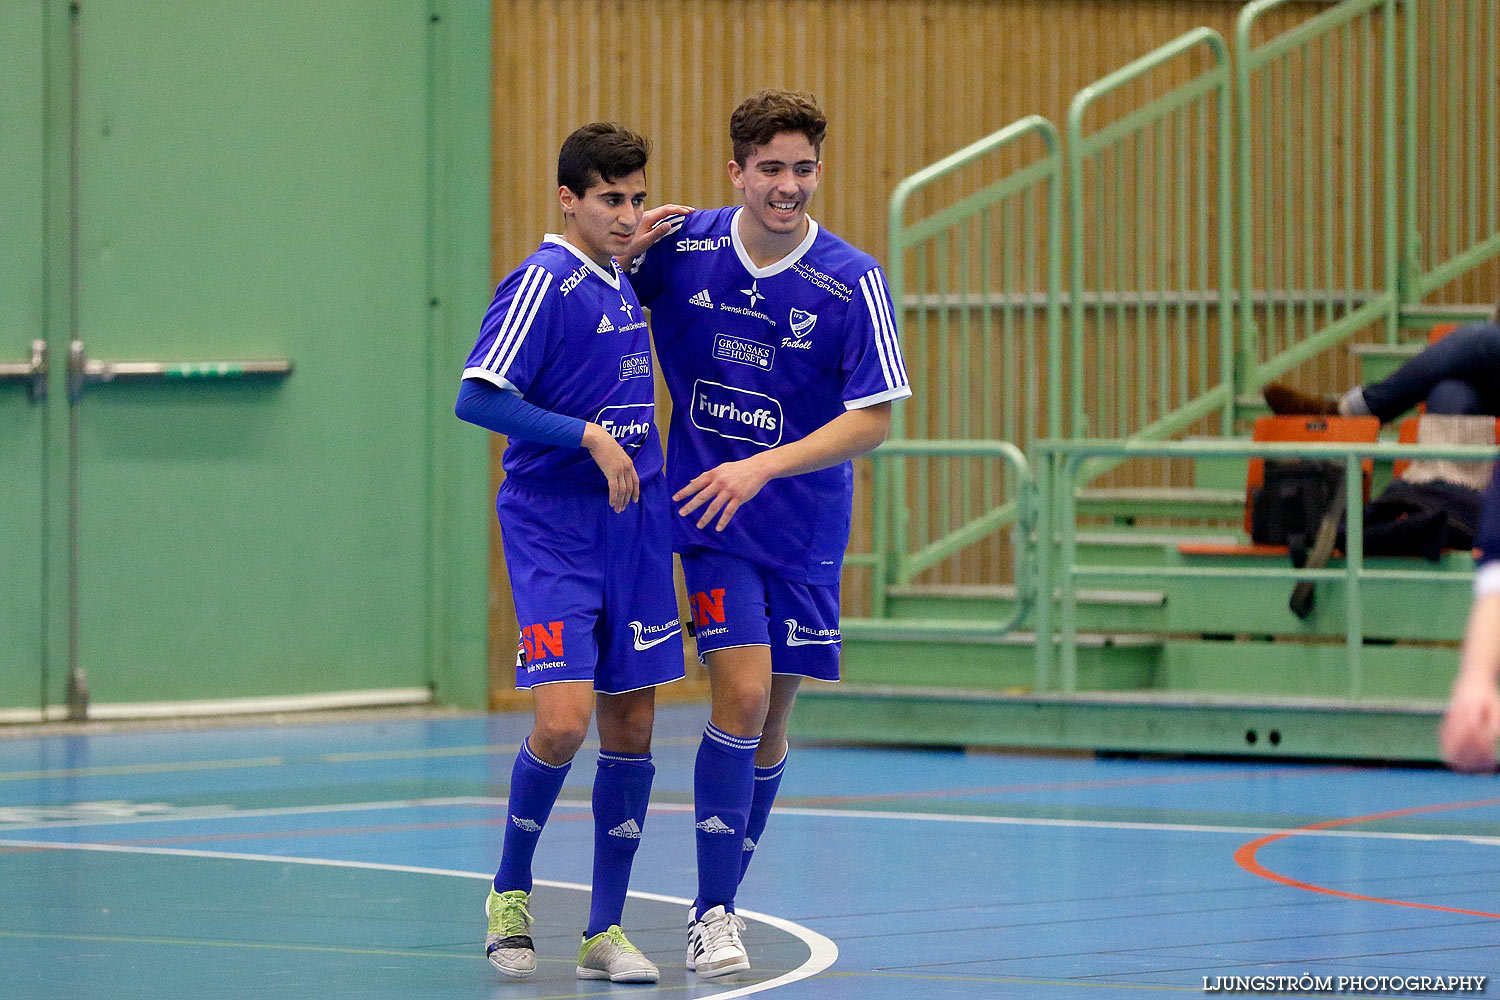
(1006, 236)
(1064, 462)
(1171, 383)
(1452, 188)
(1025, 506)
(1325, 114)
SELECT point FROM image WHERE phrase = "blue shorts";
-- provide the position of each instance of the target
(593, 589)
(737, 603)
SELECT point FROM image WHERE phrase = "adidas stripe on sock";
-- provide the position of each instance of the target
(534, 787)
(723, 782)
(622, 790)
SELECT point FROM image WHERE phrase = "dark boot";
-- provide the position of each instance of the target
(1284, 400)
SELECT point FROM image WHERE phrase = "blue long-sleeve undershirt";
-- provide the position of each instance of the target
(507, 413)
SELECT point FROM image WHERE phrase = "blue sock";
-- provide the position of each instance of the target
(723, 784)
(767, 781)
(534, 787)
(622, 787)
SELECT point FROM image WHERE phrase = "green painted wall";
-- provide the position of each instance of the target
(22, 423)
(253, 181)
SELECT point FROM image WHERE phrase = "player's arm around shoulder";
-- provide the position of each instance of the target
(656, 223)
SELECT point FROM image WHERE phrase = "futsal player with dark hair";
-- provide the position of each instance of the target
(563, 368)
(778, 343)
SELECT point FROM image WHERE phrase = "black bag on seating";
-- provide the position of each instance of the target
(1288, 507)
(1422, 519)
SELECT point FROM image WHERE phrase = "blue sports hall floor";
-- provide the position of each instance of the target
(347, 857)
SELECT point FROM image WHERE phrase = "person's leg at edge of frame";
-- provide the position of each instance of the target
(723, 788)
(622, 792)
(770, 762)
(560, 724)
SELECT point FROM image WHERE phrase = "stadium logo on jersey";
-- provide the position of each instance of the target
(605, 326)
(819, 636)
(744, 352)
(738, 414)
(647, 636)
(635, 365)
(628, 424)
(542, 641)
(754, 292)
(573, 280)
(714, 243)
(702, 299)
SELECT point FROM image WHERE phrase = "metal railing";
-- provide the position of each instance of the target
(1063, 462)
(1217, 236)
(1318, 184)
(990, 470)
(1450, 142)
(975, 278)
(1150, 209)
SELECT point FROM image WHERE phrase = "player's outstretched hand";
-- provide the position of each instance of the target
(618, 468)
(1471, 728)
(663, 220)
(724, 488)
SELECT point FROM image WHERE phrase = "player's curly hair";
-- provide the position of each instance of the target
(599, 152)
(763, 116)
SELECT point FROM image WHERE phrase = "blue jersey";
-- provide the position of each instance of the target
(570, 337)
(759, 357)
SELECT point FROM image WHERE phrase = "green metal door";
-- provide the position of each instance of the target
(22, 411)
(252, 184)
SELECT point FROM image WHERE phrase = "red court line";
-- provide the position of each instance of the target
(1062, 786)
(1245, 856)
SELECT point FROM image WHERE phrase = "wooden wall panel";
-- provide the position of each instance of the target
(904, 83)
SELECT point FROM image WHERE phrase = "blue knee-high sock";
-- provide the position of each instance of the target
(534, 787)
(767, 782)
(622, 788)
(723, 783)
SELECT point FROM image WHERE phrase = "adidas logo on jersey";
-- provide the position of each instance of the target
(702, 299)
(529, 825)
(627, 829)
(605, 326)
(749, 845)
(714, 825)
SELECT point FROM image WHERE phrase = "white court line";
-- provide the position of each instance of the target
(223, 812)
(823, 952)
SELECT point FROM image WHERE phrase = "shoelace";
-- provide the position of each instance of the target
(617, 936)
(512, 920)
(722, 931)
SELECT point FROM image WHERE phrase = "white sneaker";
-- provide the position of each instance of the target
(507, 943)
(610, 955)
(714, 946)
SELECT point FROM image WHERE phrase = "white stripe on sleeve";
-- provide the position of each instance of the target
(883, 300)
(870, 296)
(518, 318)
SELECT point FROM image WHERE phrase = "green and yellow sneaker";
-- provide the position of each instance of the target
(610, 955)
(508, 944)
